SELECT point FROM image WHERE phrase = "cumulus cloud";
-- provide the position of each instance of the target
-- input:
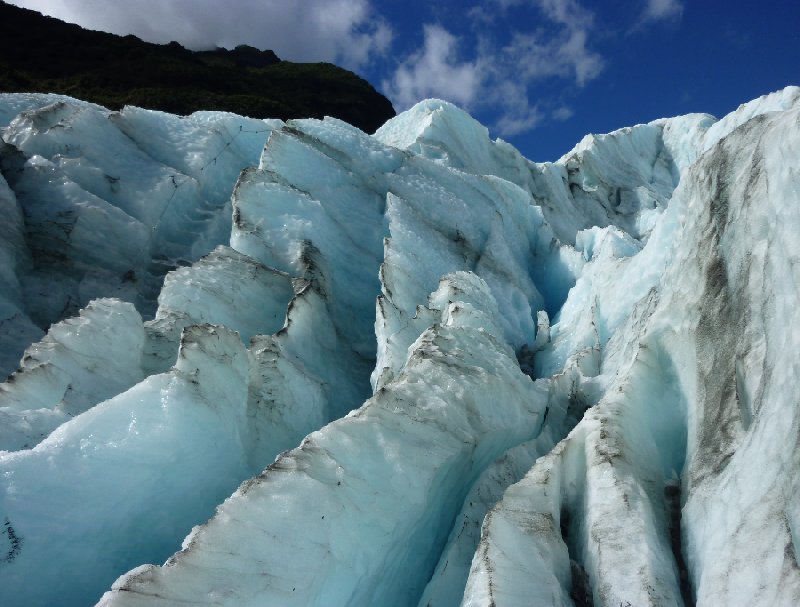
(347, 32)
(569, 49)
(435, 71)
(476, 73)
(564, 56)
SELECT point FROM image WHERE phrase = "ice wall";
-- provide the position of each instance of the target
(438, 373)
(682, 495)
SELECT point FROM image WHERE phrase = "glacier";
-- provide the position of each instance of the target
(264, 363)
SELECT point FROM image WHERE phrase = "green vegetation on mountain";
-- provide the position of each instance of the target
(42, 54)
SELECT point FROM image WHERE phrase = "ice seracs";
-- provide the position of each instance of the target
(439, 374)
(127, 478)
(675, 468)
(103, 204)
(224, 287)
(79, 363)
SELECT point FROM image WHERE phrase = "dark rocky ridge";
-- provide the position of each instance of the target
(42, 54)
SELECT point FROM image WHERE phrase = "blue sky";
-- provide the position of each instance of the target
(539, 73)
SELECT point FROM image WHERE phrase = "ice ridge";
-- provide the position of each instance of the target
(412, 368)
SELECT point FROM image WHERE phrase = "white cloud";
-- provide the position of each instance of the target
(341, 31)
(562, 113)
(564, 56)
(567, 12)
(519, 115)
(477, 74)
(658, 10)
(435, 71)
(570, 50)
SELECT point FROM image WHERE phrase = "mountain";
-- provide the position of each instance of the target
(42, 54)
(408, 368)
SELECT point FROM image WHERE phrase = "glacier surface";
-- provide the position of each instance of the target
(267, 363)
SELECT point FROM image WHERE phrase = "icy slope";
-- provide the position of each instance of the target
(111, 201)
(498, 382)
(701, 412)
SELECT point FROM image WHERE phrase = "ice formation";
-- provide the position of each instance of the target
(411, 368)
